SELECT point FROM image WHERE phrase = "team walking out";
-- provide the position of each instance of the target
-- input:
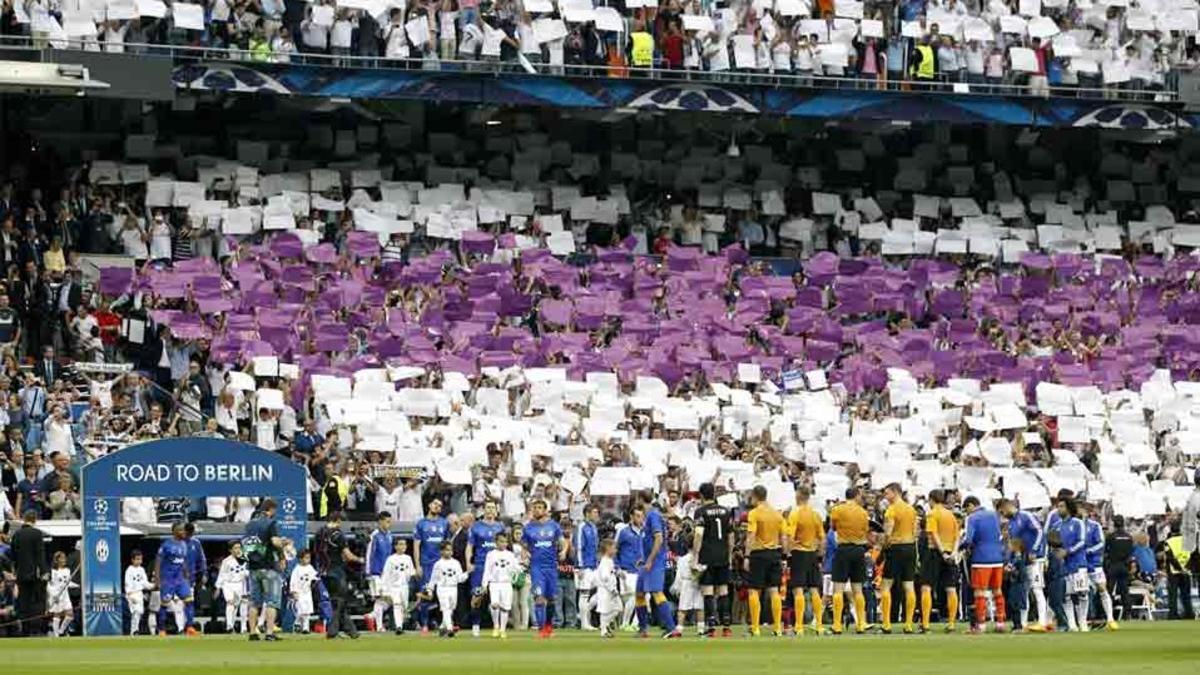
(806, 569)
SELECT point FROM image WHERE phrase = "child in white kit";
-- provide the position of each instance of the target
(152, 609)
(58, 595)
(444, 580)
(608, 590)
(231, 582)
(498, 570)
(136, 585)
(687, 589)
(397, 571)
(300, 585)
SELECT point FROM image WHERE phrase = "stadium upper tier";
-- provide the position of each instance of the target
(829, 59)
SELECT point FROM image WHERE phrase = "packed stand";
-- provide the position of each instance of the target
(1019, 46)
(277, 337)
(1013, 334)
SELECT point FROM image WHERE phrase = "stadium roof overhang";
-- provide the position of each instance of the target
(46, 78)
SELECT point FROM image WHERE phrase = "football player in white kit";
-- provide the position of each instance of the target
(231, 582)
(136, 585)
(498, 570)
(397, 572)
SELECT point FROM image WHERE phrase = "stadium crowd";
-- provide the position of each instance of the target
(1022, 333)
(956, 44)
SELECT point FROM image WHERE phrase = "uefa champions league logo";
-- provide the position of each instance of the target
(101, 508)
(102, 550)
(289, 506)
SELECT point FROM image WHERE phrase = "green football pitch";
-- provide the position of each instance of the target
(1157, 648)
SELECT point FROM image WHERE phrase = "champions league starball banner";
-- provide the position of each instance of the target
(175, 467)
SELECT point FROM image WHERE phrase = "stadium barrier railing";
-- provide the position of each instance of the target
(183, 54)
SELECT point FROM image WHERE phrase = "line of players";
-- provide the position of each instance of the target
(611, 574)
(1070, 547)
(617, 576)
(179, 567)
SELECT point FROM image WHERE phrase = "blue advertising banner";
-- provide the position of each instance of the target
(378, 85)
(175, 467)
(102, 598)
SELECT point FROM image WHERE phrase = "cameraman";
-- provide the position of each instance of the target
(333, 557)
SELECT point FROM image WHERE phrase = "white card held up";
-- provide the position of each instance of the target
(816, 380)
(1012, 24)
(237, 221)
(1115, 72)
(1140, 21)
(269, 399)
(265, 366)
(418, 30)
(152, 8)
(561, 243)
(744, 55)
(1073, 429)
(121, 10)
(850, 9)
(927, 206)
(1023, 59)
(549, 30)
(825, 203)
(608, 19)
(322, 15)
(749, 373)
(240, 381)
(869, 208)
(573, 481)
(978, 30)
(835, 54)
(871, 28)
(188, 16)
(1042, 27)
(790, 7)
(699, 23)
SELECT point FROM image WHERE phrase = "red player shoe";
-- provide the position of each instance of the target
(191, 631)
(727, 632)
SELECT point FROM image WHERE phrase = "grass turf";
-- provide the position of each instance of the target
(1158, 648)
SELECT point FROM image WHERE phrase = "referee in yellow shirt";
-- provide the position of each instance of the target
(899, 556)
(764, 559)
(939, 566)
(805, 541)
(851, 524)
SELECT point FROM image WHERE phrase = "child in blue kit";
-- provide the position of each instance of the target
(1056, 578)
(1016, 570)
